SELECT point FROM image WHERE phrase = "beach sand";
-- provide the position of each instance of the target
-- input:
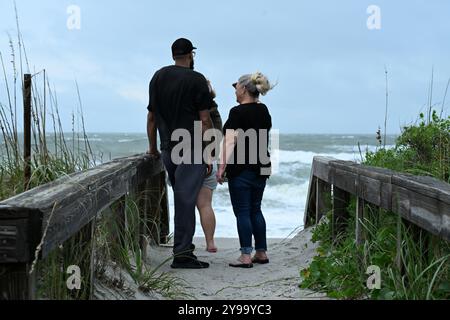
(277, 280)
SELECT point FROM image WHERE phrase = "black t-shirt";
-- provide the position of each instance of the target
(177, 94)
(250, 116)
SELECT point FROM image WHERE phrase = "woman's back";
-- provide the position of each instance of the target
(255, 121)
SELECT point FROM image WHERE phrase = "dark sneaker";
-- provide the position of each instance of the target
(189, 263)
(188, 253)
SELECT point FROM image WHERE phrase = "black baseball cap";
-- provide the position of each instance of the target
(182, 46)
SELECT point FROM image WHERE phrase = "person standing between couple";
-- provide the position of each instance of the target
(205, 197)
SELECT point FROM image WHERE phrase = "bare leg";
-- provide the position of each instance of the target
(207, 217)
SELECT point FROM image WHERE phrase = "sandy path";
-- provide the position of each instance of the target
(277, 280)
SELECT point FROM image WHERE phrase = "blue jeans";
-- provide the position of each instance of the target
(246, 192)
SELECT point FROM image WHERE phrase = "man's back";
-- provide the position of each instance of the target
(177, 94)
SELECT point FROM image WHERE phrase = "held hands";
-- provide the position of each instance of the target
(220, 176)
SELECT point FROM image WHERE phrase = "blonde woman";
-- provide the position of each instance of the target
(247, 181)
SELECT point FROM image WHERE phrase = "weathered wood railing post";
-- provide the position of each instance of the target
(323, 197)
(142, 201)
(83, 246)
(19, 234)
(310, 209)
(16, 282)
(154, 208)
(341, 201)
(118, 222)
(27, 130)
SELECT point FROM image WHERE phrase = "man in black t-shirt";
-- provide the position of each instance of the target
(179, 97)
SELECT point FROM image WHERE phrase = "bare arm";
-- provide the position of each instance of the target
(151, 133)
(205, 118)
(228, 145)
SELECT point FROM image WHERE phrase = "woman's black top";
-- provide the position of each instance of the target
(246, 117)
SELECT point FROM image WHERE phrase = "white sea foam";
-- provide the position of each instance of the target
(355, 149)
(308, 156)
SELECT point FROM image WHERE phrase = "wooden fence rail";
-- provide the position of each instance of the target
(49, 215)
(422, 201)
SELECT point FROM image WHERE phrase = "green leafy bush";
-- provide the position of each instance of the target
(422, 149)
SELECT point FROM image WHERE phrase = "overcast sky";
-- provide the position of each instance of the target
(328, 64)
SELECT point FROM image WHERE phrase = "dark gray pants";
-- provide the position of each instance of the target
(186, 180)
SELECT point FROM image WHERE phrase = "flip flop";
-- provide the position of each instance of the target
(214, 250)
(241, 265)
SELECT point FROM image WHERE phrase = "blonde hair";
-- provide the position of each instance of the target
(256, 83)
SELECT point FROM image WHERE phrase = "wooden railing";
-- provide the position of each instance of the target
(422, 201)
(35, 223)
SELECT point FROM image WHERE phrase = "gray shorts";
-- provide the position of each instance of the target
(211, 181)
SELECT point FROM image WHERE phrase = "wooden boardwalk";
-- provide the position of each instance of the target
(278, 280)
(35, 223)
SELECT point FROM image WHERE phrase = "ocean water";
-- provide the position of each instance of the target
(285, 195)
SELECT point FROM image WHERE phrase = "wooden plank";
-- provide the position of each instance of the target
(348, 166)
(426, 186)
(81, 248)
(321, 168)
(20, 233)
(118, 222)
(16, 283)
(386, 196)
(341, 200)
(310, 201)
(154, 208)
(345, 180)
(148, 168)
(380, 174)
(369, 189)
(428, 213)
(323, 199)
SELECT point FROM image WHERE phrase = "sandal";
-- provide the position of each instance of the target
(241, 265)
(260, 261)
